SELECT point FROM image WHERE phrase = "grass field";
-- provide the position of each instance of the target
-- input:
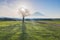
(33, 30)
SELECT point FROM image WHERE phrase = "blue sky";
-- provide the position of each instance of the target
(49, 8)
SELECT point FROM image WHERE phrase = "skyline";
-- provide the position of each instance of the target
(49, 8)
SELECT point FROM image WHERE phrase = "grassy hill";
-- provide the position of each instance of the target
(33, 30)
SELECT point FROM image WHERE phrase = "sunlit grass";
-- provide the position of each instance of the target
(39, 30)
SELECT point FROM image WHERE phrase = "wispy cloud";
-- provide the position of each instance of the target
(8, 8)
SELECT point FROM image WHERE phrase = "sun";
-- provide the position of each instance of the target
(22, 9)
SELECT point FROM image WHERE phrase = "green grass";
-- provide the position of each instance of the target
(36, 30)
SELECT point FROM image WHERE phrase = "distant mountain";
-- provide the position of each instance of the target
(38, 14)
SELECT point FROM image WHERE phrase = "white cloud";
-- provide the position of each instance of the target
(8, 8)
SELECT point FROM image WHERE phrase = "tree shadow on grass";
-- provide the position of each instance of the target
(23, 35)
